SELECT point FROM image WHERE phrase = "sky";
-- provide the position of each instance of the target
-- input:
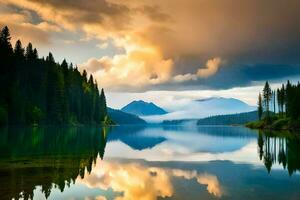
(166, 50)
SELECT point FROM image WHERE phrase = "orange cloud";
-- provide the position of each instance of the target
(155, 34)
(139, 66)
(211, 67)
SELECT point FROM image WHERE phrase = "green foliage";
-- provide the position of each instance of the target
(36, 115)
(288, 98)
(280, 124)
(3, 116)
(256, 124)
(267, 95)
(108, 121)
(42, 91)
(260, 107)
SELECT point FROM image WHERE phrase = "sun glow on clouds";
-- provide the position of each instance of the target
(155, 36)
(209, 69)
(137, 67)
(137, 181)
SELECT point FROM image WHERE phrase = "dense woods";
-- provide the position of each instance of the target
(41, 91)
(229, 119)
(278, 109)
(284, 100)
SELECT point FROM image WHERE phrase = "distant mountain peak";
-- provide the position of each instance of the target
(142, 108)
(217, 98)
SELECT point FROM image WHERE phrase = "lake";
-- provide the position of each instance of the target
(156, 162)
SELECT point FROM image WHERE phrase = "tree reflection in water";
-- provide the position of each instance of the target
(279, 147)
(48, 157)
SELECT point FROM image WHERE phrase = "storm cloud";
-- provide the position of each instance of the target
(169, 40)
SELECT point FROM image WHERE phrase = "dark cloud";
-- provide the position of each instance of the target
(187, 33)
(230, 76)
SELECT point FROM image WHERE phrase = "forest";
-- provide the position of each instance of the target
(38, 90)
(279, 109)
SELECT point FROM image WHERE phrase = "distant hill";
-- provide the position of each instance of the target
(142, 108)
(199, 109)
(121, 117)
(240, 118)
(223, 105)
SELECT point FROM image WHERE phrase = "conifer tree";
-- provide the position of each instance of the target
(267, 95)
(260, 107)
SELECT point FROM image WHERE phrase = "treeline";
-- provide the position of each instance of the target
(284, 101)
(37, 90)
(231, 119)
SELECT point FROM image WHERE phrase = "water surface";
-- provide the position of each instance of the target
(131, 162)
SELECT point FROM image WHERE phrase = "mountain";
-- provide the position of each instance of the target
(198, 109)
(142, 108)
(121, 117)
(240, 118)
(225, 103)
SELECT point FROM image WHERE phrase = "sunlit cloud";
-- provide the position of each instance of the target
(157, 35)
(208, 70)
(137, 67)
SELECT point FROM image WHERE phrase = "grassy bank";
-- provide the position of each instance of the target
(275, 122)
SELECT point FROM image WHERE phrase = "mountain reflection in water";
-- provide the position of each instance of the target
(148, 163)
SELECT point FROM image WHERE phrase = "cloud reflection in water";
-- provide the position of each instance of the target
(135, 180)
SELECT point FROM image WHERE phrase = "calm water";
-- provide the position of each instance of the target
(148, 163)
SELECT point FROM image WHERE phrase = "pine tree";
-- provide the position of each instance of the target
(103, 108)
(5, 45)
(19, 51)
(274, 101)
(29, 52)
(267, 95)
(260, 107)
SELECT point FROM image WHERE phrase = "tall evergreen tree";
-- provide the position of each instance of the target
(267, 95)
(103, 108)
(260, 107)
(19, 51)
(5, 45)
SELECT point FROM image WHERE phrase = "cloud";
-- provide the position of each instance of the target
(25, 32)
(137, 67)
(103, 45)
(157, 35)
(185, 77)
(21, 27)
(208, 70)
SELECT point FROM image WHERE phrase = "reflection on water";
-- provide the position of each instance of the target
(148, 163)
(282, 148)
(138, 181)
(48, 157)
